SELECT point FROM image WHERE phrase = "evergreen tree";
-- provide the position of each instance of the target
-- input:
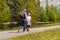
(33, 7)
(4, 13)
(43, 16)
(38, 9)
(53, 14)
(14, 6)
(47, 10)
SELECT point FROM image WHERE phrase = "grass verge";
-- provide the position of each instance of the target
(34, 26)
(44, 25)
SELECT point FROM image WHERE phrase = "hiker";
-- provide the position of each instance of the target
(25, 23)
(28, 19)
(21, 19)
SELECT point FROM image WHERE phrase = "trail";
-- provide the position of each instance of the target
(14, 33)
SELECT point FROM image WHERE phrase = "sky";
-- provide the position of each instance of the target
(40, 0)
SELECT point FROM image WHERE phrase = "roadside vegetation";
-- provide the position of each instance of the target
(33, 26)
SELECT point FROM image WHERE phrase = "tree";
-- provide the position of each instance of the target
(53, 14)
(43, 16)
(47, 8)
(14, 6)
(4, 13)
(33, 7)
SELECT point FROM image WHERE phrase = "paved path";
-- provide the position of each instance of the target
(14, 33)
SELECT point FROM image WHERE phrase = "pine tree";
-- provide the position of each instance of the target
(38, 9)
(47, 8)
(33, 7)
(54, 15)
(14, 6)
(43, 16)
(4, 13)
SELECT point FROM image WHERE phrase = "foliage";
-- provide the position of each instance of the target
(51, 12)
(10, 11)
(4, 13)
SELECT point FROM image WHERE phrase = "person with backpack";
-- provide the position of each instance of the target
(25, 23)
(22, 19)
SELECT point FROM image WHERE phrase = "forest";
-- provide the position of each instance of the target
(10, 10)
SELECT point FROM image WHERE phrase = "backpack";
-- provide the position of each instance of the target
(23, 15)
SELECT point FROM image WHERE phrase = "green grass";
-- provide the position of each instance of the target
(34, 26)
(47, 35)
(44, 25)
(9, 29)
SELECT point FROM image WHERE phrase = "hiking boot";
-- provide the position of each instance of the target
(23, 30)
(27, 29)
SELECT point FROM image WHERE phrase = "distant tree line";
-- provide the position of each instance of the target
(10, 10)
